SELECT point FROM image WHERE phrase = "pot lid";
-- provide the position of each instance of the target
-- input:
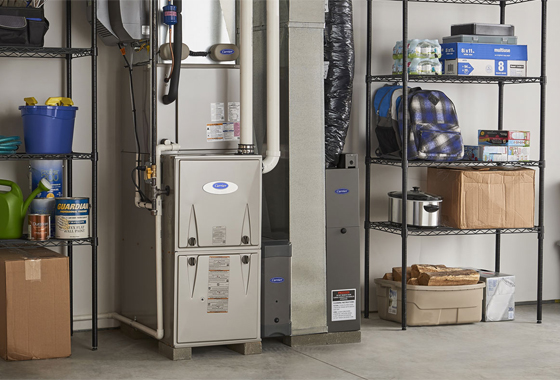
(416, 195)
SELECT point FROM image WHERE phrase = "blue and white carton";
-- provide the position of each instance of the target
(484, 59)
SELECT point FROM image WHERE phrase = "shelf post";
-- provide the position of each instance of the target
(94, 161)
(501, 85)
(367, 160)
(404, 226)
(542, 159)
(69, 179)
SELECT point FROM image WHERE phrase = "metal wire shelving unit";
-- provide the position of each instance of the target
(68, 53)
(407, 231)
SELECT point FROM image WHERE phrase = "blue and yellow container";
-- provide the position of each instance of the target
(48, 129)
(72, 218)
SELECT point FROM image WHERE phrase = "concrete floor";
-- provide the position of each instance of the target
(508, 350)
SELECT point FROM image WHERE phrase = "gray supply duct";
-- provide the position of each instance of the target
(339, 55)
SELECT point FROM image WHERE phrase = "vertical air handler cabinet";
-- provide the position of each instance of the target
(343, 247)
(211, 249)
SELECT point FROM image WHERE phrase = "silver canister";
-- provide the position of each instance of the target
(423, 209)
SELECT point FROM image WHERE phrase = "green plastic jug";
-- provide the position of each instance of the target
(13, 209)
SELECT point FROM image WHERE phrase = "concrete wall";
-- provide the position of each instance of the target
(477, 109)
(43, 78)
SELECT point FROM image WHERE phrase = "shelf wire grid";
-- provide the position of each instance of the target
(29, 156)
(415, 163)
(455, 79)
(395, 229)
(479, 2)
(25, 243)
(43, 52)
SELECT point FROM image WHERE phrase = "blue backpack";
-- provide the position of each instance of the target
(434, 132)
(386, 103)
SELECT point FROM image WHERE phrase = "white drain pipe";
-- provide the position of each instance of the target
(158, 333)
(272, 85)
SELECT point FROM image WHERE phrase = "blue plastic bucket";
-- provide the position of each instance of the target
(48, 129)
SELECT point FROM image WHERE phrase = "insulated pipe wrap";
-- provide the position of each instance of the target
(177, 52)
(339, 78)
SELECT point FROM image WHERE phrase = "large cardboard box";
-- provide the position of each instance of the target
(477, 198)
(34, 304)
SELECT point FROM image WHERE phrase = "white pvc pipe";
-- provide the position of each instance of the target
(246, 61)
(159, 332)
(272, 85)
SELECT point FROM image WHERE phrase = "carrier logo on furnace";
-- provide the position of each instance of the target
(220, 187)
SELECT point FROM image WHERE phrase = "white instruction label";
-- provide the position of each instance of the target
(219, 235)
(217, 112)
(343, 305)
(234, 113)
(326, 6)
(393, 302)
(218, 284)
(325, 69)
(231, 131)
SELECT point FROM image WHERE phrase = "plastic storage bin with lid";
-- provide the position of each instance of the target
(49, 128)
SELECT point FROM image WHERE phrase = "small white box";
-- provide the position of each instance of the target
(493, 153)
(499, 297)
(518, 153)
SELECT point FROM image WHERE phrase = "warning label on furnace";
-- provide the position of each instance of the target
(218, 235)
(343, 305)
(218, 284)
(218, 132)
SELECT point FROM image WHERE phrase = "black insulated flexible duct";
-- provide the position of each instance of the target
(177, 53)
(339, 54)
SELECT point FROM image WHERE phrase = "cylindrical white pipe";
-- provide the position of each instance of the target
(159, 332)
(78, 318)
(272, 85)
(246, 61)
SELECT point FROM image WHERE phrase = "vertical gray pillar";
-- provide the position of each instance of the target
(307, 164)
(294, 193)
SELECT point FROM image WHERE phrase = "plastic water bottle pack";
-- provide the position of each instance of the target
(423, 57)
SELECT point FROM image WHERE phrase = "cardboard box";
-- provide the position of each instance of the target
(504, 138)
(495, 52)
(478, 198)
(484, 59)
(518, 153)
(34, 304)
(493, 153)
(471, 153)
(499, 296)
(484, 67)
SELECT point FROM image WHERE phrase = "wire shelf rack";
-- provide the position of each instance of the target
(389, 162)
(26, 156)
(24, 243)
(455, 79)
(438, 231)
(43, 52)
(480, 2)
